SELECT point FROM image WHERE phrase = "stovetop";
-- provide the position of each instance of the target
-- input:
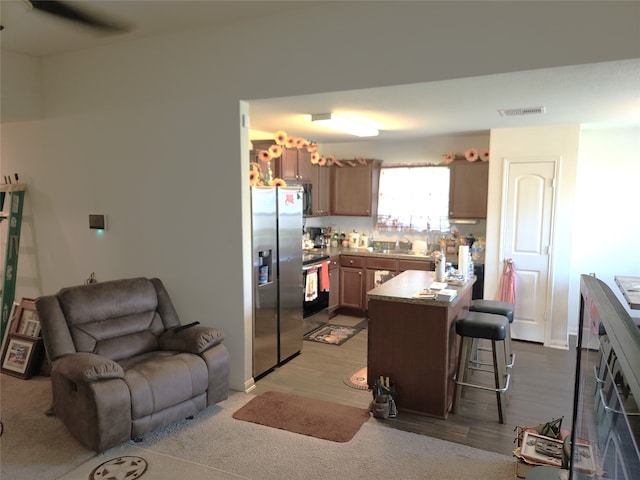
(308, 258)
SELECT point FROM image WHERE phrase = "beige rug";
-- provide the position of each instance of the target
(307, 416)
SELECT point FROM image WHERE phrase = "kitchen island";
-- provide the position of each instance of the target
(412, 340)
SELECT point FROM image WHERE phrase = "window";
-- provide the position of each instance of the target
(413, 199)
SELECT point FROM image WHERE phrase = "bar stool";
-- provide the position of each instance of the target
(489, 326)
(499, 308)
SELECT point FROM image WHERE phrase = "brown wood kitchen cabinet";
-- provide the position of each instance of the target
(352, 283)
(334, 284)
(468, 187)
(424, 265)
(354, 189)
(321, 192)
(295, 166)
(376, 263)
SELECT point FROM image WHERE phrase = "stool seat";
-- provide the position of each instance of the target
(472, 327)
(482, 325)
(499, 308)
(493, 306)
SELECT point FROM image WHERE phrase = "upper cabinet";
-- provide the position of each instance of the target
(322, 192)
(468, 189)
(295, 166)
(354, 187)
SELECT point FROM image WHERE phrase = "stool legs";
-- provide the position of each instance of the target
(509, 355)
(501, 378)
(500, 373)
(463, 368)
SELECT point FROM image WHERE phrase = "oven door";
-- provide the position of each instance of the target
(315, 300)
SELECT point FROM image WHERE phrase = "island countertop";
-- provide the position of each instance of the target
(404, 287)
(413, 341)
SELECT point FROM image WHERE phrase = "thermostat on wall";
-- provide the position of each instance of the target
(97, 222)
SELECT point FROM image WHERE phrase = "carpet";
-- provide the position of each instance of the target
(215, 446)
(332, 334)
(358, 380)
(307, 416)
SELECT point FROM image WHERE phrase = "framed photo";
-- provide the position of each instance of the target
(10, 324)
(541, 450)
(26, 321)
(21, 355)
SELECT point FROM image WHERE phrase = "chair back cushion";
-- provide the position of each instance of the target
(116, 319)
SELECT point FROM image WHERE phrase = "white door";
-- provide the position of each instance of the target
(527, 238)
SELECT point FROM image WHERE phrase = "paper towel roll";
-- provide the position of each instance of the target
(463, 261)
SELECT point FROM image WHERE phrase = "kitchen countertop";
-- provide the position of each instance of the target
(403, 288)
(630, 288)
(333, 251)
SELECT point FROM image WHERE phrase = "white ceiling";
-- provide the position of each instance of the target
(605, 94)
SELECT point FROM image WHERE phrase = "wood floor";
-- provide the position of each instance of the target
(541, 389)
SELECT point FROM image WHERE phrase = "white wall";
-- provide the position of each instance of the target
(148, 131)
(606, 227)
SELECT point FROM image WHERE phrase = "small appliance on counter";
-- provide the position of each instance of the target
(319, 236)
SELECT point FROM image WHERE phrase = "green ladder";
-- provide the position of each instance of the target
(14, 215)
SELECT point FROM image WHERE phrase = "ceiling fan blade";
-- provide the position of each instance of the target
(68, 12)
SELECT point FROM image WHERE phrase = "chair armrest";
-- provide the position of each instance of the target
(87, 367)
(194, 339)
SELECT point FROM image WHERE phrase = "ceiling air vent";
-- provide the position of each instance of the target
(515, 112)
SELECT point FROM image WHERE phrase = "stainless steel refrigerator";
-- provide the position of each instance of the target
(277, 276)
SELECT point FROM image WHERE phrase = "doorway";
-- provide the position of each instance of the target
(527, 239)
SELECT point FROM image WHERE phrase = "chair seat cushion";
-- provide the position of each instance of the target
(493, 306)
(482, 325)
(161, 379)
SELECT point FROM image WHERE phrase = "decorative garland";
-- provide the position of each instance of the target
(470, 155)
(258, 177)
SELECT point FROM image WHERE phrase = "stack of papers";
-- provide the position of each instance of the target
(446, 295)
(437, 286)
(426, 293)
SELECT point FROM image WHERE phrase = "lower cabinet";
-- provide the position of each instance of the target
(352, 283)
(375, 264)
(357, 275)
(334, 284)
(423, 265)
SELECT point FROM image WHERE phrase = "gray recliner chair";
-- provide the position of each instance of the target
(121, 366)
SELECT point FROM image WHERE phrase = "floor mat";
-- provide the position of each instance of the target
(358, 380)
(332, 334)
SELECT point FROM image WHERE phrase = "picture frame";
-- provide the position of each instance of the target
(21, 355)
(10, 324)
(26, 321)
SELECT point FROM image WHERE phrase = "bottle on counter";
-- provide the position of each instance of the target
(354, 238)
(364, 240)
(440, 268)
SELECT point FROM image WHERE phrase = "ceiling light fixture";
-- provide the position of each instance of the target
(343, 124)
